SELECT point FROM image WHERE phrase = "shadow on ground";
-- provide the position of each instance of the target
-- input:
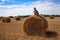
(51, 34)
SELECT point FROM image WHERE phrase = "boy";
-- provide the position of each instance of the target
(35, 11)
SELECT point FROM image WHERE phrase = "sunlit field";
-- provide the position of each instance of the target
(14, 30)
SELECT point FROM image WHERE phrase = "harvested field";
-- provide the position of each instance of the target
(14, 30)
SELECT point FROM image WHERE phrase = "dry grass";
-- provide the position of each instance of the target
(14, 30)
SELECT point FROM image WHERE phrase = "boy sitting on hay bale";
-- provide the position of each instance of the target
(35, 25)
(36, 12)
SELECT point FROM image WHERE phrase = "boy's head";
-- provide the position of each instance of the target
(34, 8)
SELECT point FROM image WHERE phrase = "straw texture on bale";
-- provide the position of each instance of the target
(17, 18)
(35, 25)
(52, 17)
(6, 19)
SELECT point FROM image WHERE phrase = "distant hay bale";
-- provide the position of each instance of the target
(35, 25)
(0, 18)
(17, 18)
(52, 17)
(6, 19)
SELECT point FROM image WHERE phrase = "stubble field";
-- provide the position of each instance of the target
(14, 30)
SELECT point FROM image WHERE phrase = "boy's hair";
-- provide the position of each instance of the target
(34, 7)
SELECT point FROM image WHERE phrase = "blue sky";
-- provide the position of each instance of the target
(12, 2)
(25, 7)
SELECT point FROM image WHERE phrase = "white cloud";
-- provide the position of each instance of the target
(7, 0)
(27, 9)
(49, 0)
(3, 0)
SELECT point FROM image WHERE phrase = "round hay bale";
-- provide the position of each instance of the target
(6, 19)
(35, 25)
(52, 17)
(17, 18)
